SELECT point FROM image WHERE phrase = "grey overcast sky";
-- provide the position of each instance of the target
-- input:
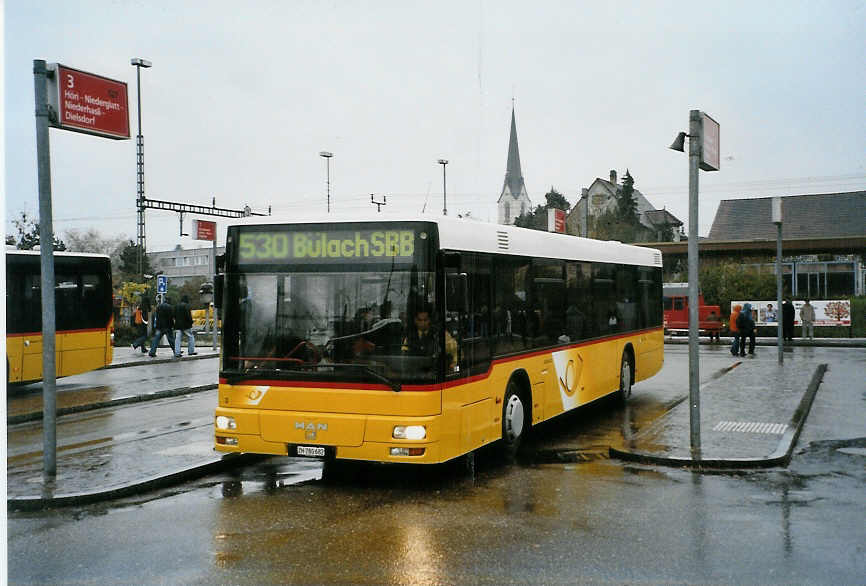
(242, 96)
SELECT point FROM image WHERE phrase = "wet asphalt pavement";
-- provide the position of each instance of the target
(538, 520)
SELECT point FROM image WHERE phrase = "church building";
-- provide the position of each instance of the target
(513, 200)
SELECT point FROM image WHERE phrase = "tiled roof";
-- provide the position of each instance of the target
(825, 215)
(660, 217)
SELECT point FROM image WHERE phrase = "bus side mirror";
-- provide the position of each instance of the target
(218, 283)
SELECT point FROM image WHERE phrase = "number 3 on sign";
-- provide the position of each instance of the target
(70, 81)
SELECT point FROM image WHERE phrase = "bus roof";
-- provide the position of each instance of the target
(475, 236)
(62, 253)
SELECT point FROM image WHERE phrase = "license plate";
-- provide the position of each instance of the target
(314, 451)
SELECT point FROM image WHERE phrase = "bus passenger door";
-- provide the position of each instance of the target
(467, 302)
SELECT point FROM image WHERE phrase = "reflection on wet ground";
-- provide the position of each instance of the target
(30, 399)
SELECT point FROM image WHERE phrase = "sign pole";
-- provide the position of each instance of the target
(695, 143)
(46, 253)
(213, 280)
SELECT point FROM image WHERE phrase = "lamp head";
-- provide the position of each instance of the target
(443, 161)
(679, 142)
(140, 62)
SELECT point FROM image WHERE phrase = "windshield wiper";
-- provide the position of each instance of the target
(234, 379)
(278, 373)
(395, 385)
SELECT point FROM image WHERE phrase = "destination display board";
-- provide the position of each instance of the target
(295, 245)
(89, 103)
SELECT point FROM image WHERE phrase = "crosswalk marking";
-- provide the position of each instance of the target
(751, 427)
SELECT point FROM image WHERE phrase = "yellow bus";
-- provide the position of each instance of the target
(83, 306)
(420, 339)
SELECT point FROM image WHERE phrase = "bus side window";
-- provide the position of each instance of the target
(510, 295)
(67, 301)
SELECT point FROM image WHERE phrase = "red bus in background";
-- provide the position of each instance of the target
(676, 310)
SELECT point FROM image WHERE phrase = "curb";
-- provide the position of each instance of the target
(780, 457)
(138, 362)
(37, 415)
(155, 482)
(771, 342)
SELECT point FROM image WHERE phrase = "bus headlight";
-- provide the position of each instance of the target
(410, 432)
(225, 422)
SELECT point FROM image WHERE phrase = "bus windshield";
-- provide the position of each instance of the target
(309, 324)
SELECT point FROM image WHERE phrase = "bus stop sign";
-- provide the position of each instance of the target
(162, 284)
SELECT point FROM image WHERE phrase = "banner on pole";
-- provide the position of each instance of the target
(836, 312)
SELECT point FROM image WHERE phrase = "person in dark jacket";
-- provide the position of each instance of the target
(746, 327)
(163, 326)
(788, 319)
(183, 325)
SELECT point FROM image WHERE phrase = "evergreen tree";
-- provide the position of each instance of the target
(537, 219)
(129, 262)
(626, 208)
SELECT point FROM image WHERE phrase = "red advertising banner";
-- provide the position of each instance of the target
(555, 221)
(90, 103)
(204, 230)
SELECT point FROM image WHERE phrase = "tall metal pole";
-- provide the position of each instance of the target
(213, 280)
(139, 147)
(444, 162)
(327, 156)
(776, 214)
(46, 253)
(695, 140)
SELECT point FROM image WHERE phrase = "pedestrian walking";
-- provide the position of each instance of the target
(163, 326)
(183, 325)
(807, 318)
(142, 314)
(732, 326)
(788, 319)
(746, 327)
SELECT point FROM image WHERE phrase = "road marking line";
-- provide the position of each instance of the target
(751, 427)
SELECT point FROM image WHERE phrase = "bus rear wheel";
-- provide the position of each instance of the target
(513, 419)
(625, 377)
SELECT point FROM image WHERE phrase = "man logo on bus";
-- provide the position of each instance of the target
(311, 428)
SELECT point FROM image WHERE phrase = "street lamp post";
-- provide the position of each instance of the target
(327, 156)
(776, 215)
(444, 162)
(138, 63)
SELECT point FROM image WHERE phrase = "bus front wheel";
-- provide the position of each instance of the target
(625, 377)
(513, 419)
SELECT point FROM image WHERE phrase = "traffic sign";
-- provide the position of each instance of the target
(204, 230)
(161, 284)
(89, 103)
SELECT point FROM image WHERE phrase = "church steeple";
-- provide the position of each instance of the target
(513, 200)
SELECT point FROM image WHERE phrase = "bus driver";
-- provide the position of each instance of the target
(421, 339)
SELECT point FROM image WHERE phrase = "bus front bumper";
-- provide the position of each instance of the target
(325, 435)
